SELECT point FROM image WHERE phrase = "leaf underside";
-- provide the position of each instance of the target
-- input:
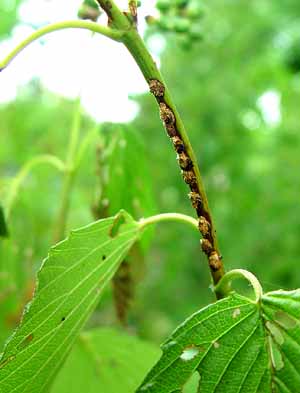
(235, 346)
(70, 283)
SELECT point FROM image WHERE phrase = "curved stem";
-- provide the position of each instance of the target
(87, 140)
(144, 222)
(69, 178)
(78, 24)
(224, 284)
(25, 170)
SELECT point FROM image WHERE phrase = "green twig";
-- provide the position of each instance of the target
(87, 140)
(224, 283)
(69, 177)
(144, 222)
(77, 24)
(176, 131)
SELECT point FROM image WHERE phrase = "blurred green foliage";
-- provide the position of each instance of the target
(249, 164)
(8, 15)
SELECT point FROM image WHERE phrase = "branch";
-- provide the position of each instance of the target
(175, 130)
(225, 283)
(69, 176)
(169, 217)
(77, 24)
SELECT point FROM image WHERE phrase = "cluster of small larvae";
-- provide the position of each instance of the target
(188, 173)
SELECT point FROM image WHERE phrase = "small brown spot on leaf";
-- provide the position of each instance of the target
(27, 340)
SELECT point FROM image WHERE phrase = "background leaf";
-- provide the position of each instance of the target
(70, 283)
(106, 360)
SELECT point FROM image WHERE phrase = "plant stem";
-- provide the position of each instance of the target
(78, 24)
(23, 173)
(224, 283)
(144, 222)
(176, 131)
(69, 176)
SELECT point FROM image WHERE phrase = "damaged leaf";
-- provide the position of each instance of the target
(70, 283)
(235, 346)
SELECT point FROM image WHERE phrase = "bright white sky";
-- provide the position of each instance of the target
(71, 62)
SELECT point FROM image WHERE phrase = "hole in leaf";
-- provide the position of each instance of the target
(275, 354)
(192, 384)
(216, 344)
(275, 332)
(63, 319)
(119, 220)
(285, 320)
(103, 257)
(189, 353)
(236, 313)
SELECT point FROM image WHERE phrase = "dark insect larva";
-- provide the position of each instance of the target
(196, 200)
(214, 261)
(156, 88)
(206, 246)
(168, 118)
(190, 178)
(178, 144)
(204, 226)
(166, 114)
(185, 162)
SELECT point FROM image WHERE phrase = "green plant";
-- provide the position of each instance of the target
(238, 344)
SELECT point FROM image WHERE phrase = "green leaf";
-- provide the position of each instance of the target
(282, 312)
(105, 360)
(70, 284)
(8, 16)
(236, 346)
(3, 226)
(128, 184)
